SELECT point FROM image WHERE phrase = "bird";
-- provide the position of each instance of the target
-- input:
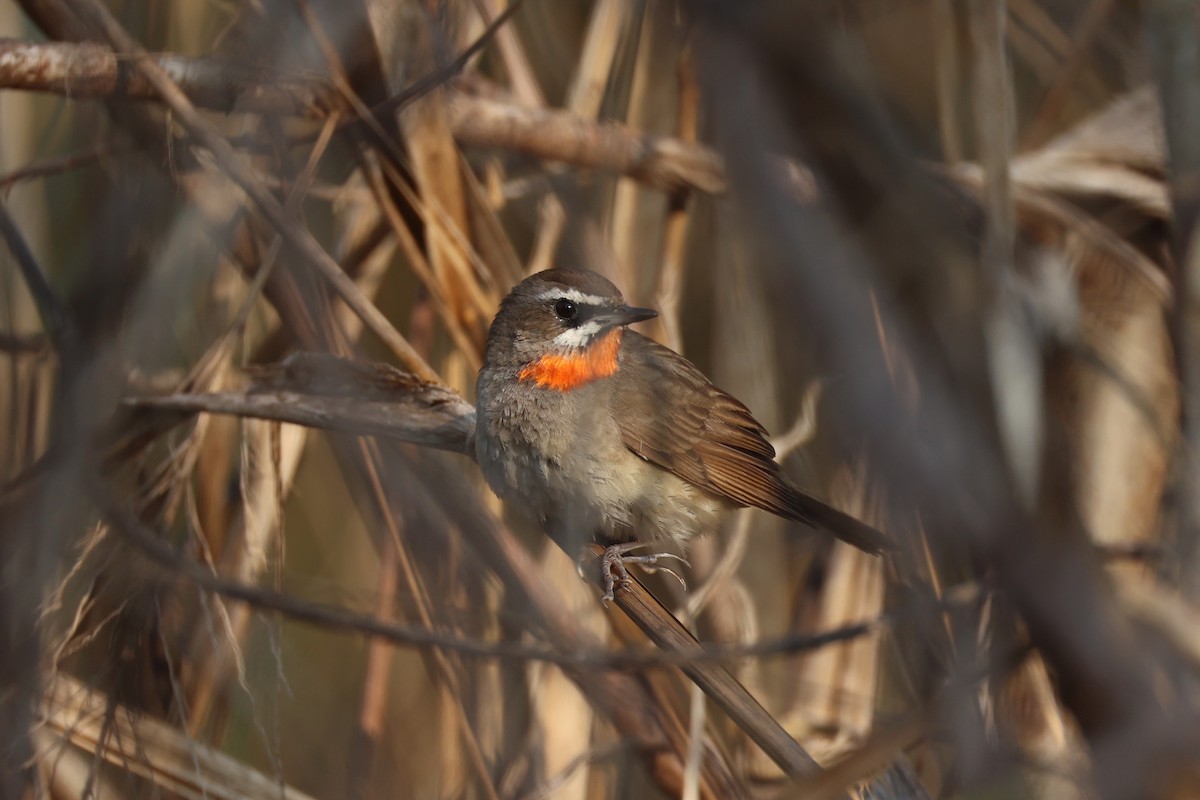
(601, 434)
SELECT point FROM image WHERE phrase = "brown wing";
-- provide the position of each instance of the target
(678, 420)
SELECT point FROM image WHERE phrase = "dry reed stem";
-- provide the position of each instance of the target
(1036, 38)
(552, 219)
(235, 167)
(305, 390)
(257, 527)
(374, 173)
(667, 632)
(74, 715)
(522, 82)
(607, 25)
(565, 719)
(53, 316)
(627, 228)
(1013, 355)
(677, 226)
(447, 664)
(465, 264)
(1170, 27)
(838, 685)
(1081, 38)
(435, 165)
(947, 81)
(373, 709)
(498, 260)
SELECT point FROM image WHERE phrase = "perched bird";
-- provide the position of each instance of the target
(602, 434)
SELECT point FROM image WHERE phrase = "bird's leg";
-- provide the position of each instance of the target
(616, 557)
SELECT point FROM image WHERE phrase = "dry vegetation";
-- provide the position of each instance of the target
(249, 254)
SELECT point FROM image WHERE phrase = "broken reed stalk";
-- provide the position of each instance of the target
(668, 633)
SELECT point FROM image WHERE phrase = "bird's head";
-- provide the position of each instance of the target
(561, 329)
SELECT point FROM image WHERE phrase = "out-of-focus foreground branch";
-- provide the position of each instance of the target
(905, 260)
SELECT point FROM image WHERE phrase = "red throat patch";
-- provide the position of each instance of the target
(570, 371)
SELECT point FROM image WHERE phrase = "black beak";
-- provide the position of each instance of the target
(625, 315)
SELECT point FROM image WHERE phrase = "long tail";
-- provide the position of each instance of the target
(828, 519)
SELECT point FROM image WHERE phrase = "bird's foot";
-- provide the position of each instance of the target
(616, 558)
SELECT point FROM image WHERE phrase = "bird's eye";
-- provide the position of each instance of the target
(566, 310)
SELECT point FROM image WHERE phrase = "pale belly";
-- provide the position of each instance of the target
(588, 492)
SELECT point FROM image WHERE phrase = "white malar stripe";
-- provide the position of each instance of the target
(573, 294)
(578, 337)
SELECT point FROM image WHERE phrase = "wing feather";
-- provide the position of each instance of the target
(672, 416)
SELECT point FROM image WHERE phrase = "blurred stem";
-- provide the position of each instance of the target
(948, 67)
(54, 318)
(521, 77)
(610, 19)
(375, 682)
(716, 681)
(678, 222)
(232, 164)
(608, 25)
(1171, 34)
(445, 665)
(1013, 357)
(1056, 98)
(58, 165)
(994, 124)
(627, 203)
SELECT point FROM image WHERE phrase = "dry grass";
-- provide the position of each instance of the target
(938, 247)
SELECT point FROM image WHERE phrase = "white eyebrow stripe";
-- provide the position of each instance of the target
(578, 337)
(573, 294)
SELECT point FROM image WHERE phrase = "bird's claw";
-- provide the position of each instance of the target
(616, 557)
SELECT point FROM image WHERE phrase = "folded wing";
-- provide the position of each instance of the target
(678, 420)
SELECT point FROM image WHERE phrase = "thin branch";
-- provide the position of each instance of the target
(54, 317)
(323, 391)
(440, 77)
(58, 164)
(1170, 28)
(685, 652)
(717, 682)
(1082, 36)
(591, 756)
(23, 344)
(93, 71)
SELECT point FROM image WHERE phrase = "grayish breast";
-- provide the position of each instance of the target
(559, 458)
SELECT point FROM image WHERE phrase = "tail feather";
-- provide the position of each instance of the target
(828, 519)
